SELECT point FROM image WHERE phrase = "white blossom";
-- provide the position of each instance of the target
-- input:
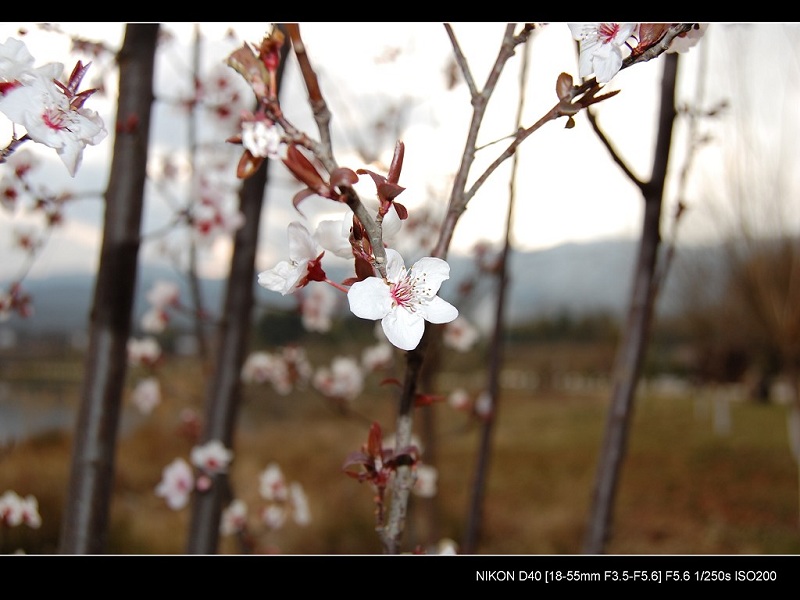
(272, 484)
(45, 112)
(288, 276)
(601, 47)
(234, 518)
(212, 457)
(343, 379)
(261, 138)
(147, 395)
(405, 299)
(177, 483)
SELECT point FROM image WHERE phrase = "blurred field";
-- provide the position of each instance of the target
(688, 486)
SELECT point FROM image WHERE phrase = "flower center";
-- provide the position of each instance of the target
(55, 119)
(607, 31)
(409, 290)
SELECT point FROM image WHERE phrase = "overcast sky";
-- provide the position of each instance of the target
(568, 189)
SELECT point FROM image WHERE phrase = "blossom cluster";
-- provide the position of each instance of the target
(51, 111)
(282, 500)
(16, 510)
(178, 479)
(284, 370)
(603, 45)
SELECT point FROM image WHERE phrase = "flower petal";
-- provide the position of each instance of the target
(302, 247)
(438, 311)
(370, 299)
(394, 265)
(433, 270)
(403, 328)
(281, 278)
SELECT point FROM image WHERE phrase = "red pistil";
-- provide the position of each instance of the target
(607, 31)
(54, 119)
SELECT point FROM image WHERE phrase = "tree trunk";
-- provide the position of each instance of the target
(233, 336)
(633, 346)
(85, 523)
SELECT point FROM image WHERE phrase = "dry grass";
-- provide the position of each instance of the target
(684, 488)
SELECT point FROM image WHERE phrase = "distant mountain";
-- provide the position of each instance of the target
(575, 277)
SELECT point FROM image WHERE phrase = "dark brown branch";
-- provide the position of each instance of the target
(612, 151)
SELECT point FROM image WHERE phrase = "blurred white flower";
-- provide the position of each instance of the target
(272, 484)
(145, 351)
(300, 510)
(343, 379)
(459, 399)
(234, 518)
(378, 356)
(425, 484)
(147, 395)
(460, 334)
(212, 457)
(317, 308)
(16, 510)
(177, 483)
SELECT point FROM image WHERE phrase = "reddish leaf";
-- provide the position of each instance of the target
(650, 34)
(389, 191)
(343, 176)
(248, 165)
(397, 162)
(302, 168)
(376, 179)
(402, 211)
(391, 380)
(427, 399)
(375, 440)
(364, 268)
(300, 196)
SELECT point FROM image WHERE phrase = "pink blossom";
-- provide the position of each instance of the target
(378, 356)
(299, 503)
(16, 66)
(262, 138)
(601, 47)
(163, 293)
(343, 379)
(49, 118)
(274, 515)
(303, 264)
(234, 518)
(684, 42)
(155, 320)
(425, 483)
(147, 395)
(272, 484)
(317, 307)
(16, 510)
(484, 405)
(177, 483)
(460, 334)
(212, 457)
(459, 399)
(145, 351)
